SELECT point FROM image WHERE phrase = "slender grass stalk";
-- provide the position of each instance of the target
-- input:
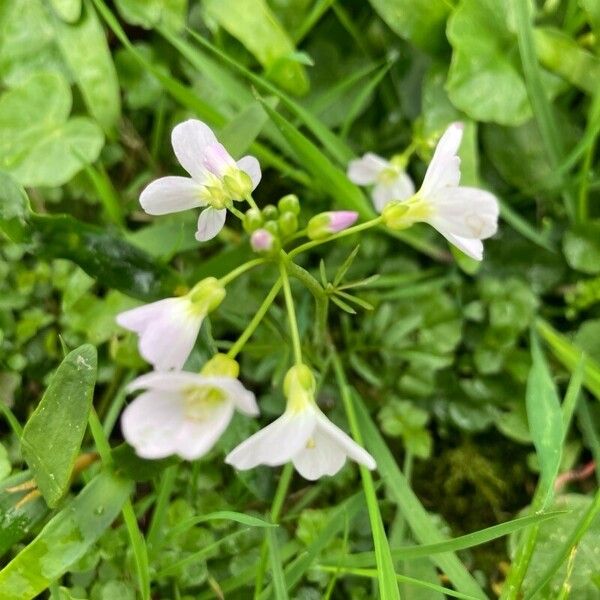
(165, 489)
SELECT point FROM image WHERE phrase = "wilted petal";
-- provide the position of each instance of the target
(251, 166)
(277, 443)
(210, 222)
(171, 194)
(151, 424)
(444, 168)
(365, 170)
(399, 189)
(197, 437)
(190, 140)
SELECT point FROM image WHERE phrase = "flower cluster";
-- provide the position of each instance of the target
(184, 413)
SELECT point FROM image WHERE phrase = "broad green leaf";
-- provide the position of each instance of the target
(564, 56)
(85, 50)
(40, 145)
(65, 538)
(67, 10)
(19, 515)
(592, 8)
(253, 23)
(53, 434)
(421, 22)
(581, 247)
(570, 355)
(103, 255)
(332, 181)
(544, 416)
(27, 41)
(149, 13)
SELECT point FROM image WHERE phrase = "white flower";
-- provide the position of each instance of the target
(168, 329)
(216, 179)
(182, 413)
(390, 179)
(302, 435)
(463, 215)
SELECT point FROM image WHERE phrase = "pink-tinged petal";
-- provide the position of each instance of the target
(217, 160)
(465, 212)
(152, 422)
(322, 456)
(250, 166)
(197, 437)
(341, 219)
(261, 240)
(349, 446)
(276, 444)
(444, 169)
(171, 194)
(190, 140)
(210, 222)
(365, 170)
(399, 189)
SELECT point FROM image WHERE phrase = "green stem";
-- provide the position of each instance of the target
(238, 213)
(289, 303)
(255, 321)
(226, 279)
(351, 230)
(278, 500)
(251, 202)
(167, 483)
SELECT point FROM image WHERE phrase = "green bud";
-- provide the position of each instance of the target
(289, 203)
(207, 295)
(299, 387)
(272, 227)
(270, 212)
(318, 227)
(288, 223)
(220, 365)
(252, 220)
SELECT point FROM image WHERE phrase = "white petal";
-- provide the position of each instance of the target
(350, 447)
(465, 212)
(236, 393)
(471, 247)
(364, 171)
(151, 424)
(400, 189)
(168, 381)
(189, 140)
(444, 168)
(322, 456)
(210, 222)
(251, 166)
(277, 443)
(197, 437)
(216, 159)
(167, 330)
(171, 194)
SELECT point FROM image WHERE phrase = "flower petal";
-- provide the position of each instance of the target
(350, 447)
(400, 189)
(444, 168)
(210, 222)
(167, 329)
(471, 247)
(241, 398)
(151, 424)
(189, 140)
(197, 437)
(364, 170)
(277, 443)
(321, 457)
(167, 381)
(251, 167)
(216, 159)
(171, 194)
(465, 212)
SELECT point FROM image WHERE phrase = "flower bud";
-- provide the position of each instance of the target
(270, 212)
(262, 241)
(401, 215)
(206, 295)
(288, 223)
(252, 220)
(220, 365)
(289, 203)
(299, 387)
(328, 223)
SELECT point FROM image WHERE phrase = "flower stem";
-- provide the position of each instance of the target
(289, 303)
(251, 202)
(361, 227)
(241, 270)
(256, 319)
(238, 213)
